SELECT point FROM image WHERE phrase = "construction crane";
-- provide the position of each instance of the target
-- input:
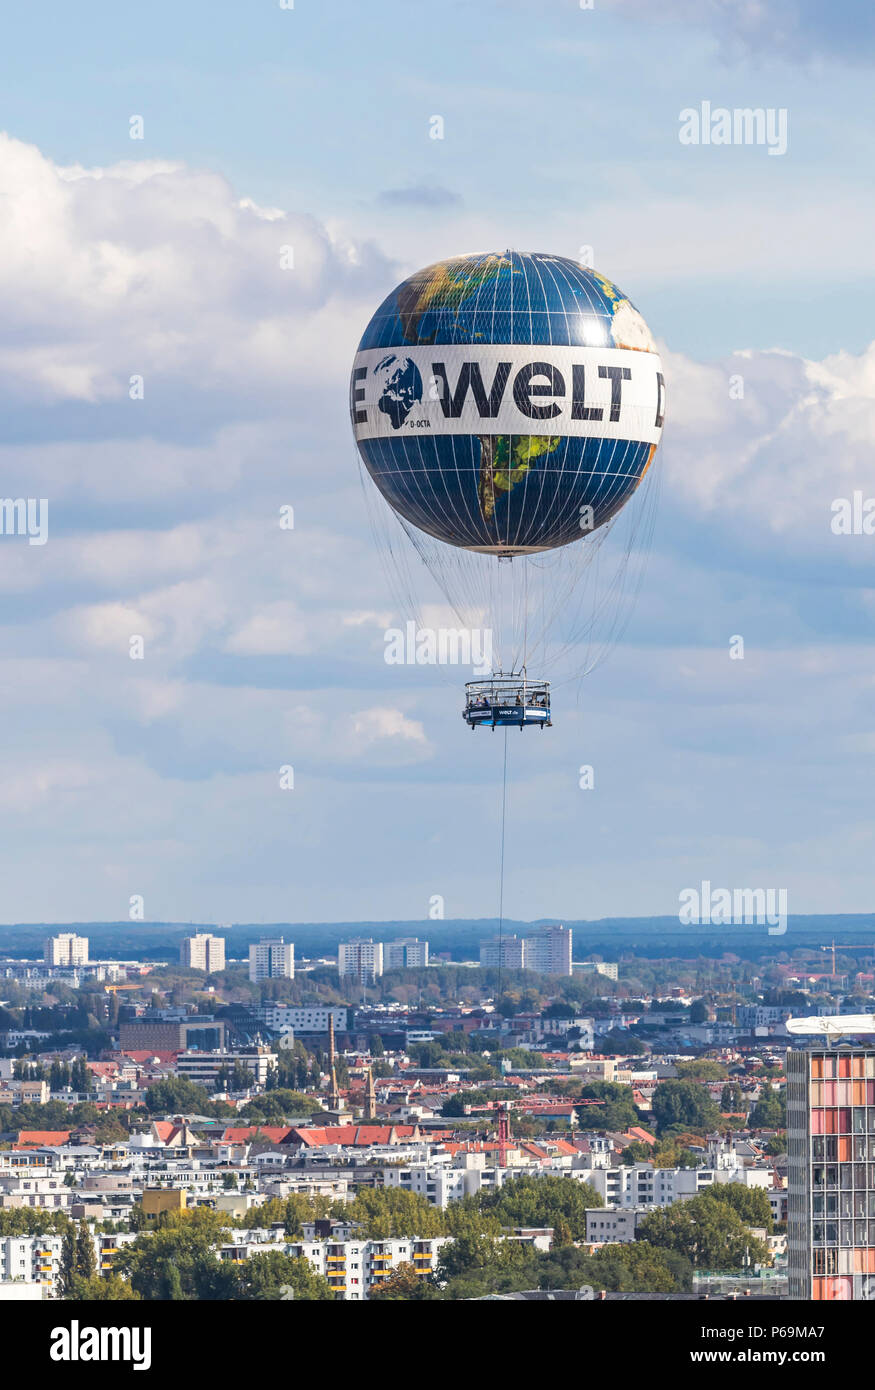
(843, 946)
(114, 989)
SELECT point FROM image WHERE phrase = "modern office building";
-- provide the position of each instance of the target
(203, 951)
(271, 958)
(504, 953)
(305, 1019)
(363, 959)
(831, 1178)
(549, 951)
(66, 949)
(204, 1067)
(158, 1031)
(408, 953)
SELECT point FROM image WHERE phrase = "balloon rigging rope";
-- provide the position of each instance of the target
(501, 864)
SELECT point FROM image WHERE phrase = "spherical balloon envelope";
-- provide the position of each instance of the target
(507, 403)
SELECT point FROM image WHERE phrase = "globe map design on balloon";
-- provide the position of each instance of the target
(499, 400)
(401, 387)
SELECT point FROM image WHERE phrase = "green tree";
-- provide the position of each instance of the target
(544, 1201)
(709, 1233)
(732, 1098)
(67, 1263)
(617, 1110)
(99, 1289)
(390, 1212)
(684, 1103)
(178, 1260)
(751, 1203)
(770, 1111)
(269, 1277)
(86, 1264)
(701, 1069)
(404, 1283)
(280, 1104)
(176, 1094)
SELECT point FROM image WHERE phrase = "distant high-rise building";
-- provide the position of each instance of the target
(360, 958)
(831, 1173)
(505, 953)
(271, 958)
(203, 951)
(66, 949)
(549, 951)
(408, 953)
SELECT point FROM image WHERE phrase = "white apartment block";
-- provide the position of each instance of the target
(354, 1267)
(549, 951)
(604, 1226)
(408, 953)
(442, 1184)
(363, 959)
(272, 958)
(507, 953)
(203, 951)
(25, 1190)
(639, 1185)
(204, 1067)
(37, 1259)
(283, 1017)
(66, 949)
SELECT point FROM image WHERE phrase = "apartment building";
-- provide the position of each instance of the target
(66, 949)
(203, 951)
(640, 1185)
(442, 1183)
(361, 958)
(271, 958)
(407, 953)
(354, 1267)
(503, 953)
(37, 1259)
(549, 951)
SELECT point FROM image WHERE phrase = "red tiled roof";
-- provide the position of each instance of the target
(643, 1136)
(354, 1136)
(241, 1134)
(39, 1138)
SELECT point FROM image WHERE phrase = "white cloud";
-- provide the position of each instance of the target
(159, 270)
(371, 725)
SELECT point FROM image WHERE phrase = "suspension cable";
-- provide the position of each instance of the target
(501, 864)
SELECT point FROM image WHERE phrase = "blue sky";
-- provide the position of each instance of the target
(159, 256)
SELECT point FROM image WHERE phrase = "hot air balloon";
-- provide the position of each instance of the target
(507, 406)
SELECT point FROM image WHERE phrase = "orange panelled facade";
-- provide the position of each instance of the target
(838, 1172)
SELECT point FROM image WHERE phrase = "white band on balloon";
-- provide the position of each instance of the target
(584, 392)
